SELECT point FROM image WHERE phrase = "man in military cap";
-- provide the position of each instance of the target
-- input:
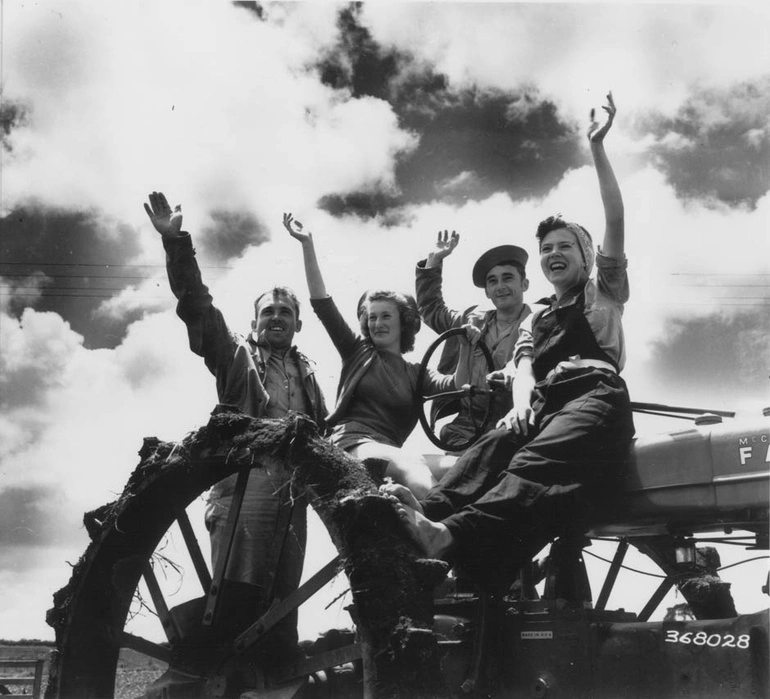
(501, 272)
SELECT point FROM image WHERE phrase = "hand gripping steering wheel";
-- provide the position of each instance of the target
(479, 426)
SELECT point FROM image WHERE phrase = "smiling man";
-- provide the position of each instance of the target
(263, 375)
(501, 272)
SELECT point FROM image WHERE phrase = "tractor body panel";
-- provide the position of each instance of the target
(702, 478)
(574, 655)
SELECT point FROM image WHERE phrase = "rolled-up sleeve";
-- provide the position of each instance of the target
(524, 346)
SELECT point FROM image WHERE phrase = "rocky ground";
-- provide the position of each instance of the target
(135, 671)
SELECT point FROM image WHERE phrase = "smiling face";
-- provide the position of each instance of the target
(562, 260)
(277, 317)
(384, 324)
(505, 287)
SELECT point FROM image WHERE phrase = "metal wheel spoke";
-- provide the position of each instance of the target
(322, 661)
(145, 647)
(194, 549)
(212, 598)
(656, 598)
(280, 609)
(612, 574)
(161, 608)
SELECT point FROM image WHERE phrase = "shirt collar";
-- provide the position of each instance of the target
(264, 347)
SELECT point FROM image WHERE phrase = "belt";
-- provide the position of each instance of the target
(579, 363)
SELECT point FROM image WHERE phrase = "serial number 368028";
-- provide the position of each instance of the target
(712, 640)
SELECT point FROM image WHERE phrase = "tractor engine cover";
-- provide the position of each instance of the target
(579, 654)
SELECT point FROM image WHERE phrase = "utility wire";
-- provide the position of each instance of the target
(102, 265)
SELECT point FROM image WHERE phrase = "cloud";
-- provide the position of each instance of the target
(28, 516)
(575, 52)
(230, 232)
(733, 355)
(67, 262)
(126, 102)
(717, 145)
(512, 140)
(721, 144)
(73, 418)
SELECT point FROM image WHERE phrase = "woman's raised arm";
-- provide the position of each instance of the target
(614, 231)
(315, 281)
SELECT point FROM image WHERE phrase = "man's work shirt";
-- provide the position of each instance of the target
(500, 340)
(283, 383)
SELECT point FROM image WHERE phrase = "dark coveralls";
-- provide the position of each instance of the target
(508, 496)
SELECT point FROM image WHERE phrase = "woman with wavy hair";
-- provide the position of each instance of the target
(375, 411)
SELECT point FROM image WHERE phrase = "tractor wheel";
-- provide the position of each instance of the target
(127, 555)
(207, 658)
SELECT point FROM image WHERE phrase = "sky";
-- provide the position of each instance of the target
(377, 125)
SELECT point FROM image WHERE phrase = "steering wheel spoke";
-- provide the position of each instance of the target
(469, 391)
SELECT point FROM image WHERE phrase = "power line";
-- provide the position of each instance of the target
(102, 264)
(79, 295)
(728, 286)
(19, 275)
(55, 289)
(720, 274)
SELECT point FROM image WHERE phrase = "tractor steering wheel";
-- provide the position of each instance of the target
(421, 399)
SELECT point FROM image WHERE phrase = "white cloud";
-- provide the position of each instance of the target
(650, 55)
(93, 407)
(201, 95)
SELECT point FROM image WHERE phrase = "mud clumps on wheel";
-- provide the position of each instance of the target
(390, 584)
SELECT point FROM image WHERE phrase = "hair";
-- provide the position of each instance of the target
(553, 223)
(513, 263)
(280, 291)
(408, 314)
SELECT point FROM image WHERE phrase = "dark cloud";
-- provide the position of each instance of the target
(229, 234)
(723, 356)
(254, 7)
(12, 115)
(473, 142)
(717, 146)
(363, 204)
(69, 263)
(72, 262)
(28, 516)
(482, 142)
(24, 387)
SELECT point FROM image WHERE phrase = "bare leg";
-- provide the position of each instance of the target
(439, 464)
(403, 467)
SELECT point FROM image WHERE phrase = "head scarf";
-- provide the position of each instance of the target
(583, 238)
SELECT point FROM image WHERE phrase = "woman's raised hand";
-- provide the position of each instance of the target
(295, 228)
(597, 131)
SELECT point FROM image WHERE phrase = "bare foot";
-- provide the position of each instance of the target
(433, 538)
(402, 494)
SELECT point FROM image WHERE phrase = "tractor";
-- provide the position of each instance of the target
(417, 628)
